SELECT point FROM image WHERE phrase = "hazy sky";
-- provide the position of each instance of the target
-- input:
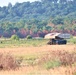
(5, 2)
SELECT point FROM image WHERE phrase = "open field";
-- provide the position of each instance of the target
(38, 58)
(22, 42)
(7, 42)
(32, 55)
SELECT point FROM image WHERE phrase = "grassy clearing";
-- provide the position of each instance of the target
(28, 42)
(22, 42)
(41, 42)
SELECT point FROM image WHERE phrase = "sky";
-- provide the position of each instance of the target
(5, 2)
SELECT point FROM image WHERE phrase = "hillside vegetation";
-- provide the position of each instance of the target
(38, 18)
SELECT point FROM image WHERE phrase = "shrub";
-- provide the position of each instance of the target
(14, 37)
(29, 37)
(7, 62)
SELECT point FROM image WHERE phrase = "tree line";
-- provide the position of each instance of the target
(38, 18)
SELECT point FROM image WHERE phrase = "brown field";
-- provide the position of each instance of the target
(38, 51)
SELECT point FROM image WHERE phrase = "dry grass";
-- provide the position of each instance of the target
(38, 71)
(7, 62)
(47, 53)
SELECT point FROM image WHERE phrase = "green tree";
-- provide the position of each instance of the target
(14, 37)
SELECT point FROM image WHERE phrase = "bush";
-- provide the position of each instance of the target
(7, 62)
(14, 37)
(29, 37)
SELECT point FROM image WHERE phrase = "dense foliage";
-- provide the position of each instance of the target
(38, 18)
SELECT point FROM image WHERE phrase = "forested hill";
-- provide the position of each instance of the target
(38, 18)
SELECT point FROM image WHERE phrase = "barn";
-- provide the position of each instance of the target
(57, 38)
